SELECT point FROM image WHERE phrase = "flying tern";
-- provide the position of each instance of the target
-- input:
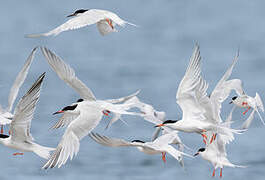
(190, 97)
(215, 152)
(6, 115)
(105, 20)
(20, 137)
(160, 145)
(82, 116)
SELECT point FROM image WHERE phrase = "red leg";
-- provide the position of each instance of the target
(221, 173)
(109, 22)
(2, 129)
(213, 173)
(18, 154)
(215, 136)
(246, 110)
(164, 157)
(204, 138)
(105, 113)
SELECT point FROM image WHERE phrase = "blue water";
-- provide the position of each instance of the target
(152, 58)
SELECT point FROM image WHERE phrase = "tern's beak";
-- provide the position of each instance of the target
(58, 112)
(230, 102)
(71, 15)
(196, 154)
(159, 125)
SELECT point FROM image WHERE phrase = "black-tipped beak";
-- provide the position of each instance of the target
(71, 15)
(159, 125)
(230, 102)
(58, 112)
(196, 154)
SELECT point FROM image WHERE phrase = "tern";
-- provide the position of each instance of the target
(20, 137)
(105, 20)
(82, 116)
(6, 114)
(245, 101)
(215, 152)
(160, 145)
(190, 96)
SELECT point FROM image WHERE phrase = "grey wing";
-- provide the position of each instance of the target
(67, 74)
(192, 88)
(123, 99)
(88, 18)
(107, 141)
(247, 123)
(66, 119)
(20, 125)
(70, 142)
(20, 80)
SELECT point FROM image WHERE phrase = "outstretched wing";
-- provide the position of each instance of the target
(76, 130)
(20, 125)
(67, 74)
(191, 87)
(107, 141)
(223, 89)
(20, 80)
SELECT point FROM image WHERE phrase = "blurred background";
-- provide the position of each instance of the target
(153, 58)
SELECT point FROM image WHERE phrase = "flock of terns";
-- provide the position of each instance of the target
(201, 112)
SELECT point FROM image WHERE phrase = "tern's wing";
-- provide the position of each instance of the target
(122, 99)
(107, 141)
(76, 131)
(19, 80)
(167, 138)
(114, 17)
(247, 123)
(88, 18)
(66, 119)
(190, 83)
(67, 74)
(20, 125)
(4, 121)
(175, 153)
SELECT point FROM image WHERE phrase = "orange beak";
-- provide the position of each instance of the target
(159, 125)
(58, 112)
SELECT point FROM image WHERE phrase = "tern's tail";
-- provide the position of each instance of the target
(227, 133)
(259, 102)
(42, 151)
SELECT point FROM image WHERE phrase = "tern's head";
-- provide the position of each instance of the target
(167, 122)
(136, 140)
(78, 12)
(199, 151)
(66, 109)
(233, 99)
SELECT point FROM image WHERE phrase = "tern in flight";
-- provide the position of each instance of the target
(6, 114)
(105, 20)
(20, 137)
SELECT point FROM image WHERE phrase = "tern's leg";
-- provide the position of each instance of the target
(213, 138)
(246, 110)
(106, 112)
(164, 157)
(18, 154)
(2, 129)
(204, 138)
(221, 172)
(213, 173)
(110, 23)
